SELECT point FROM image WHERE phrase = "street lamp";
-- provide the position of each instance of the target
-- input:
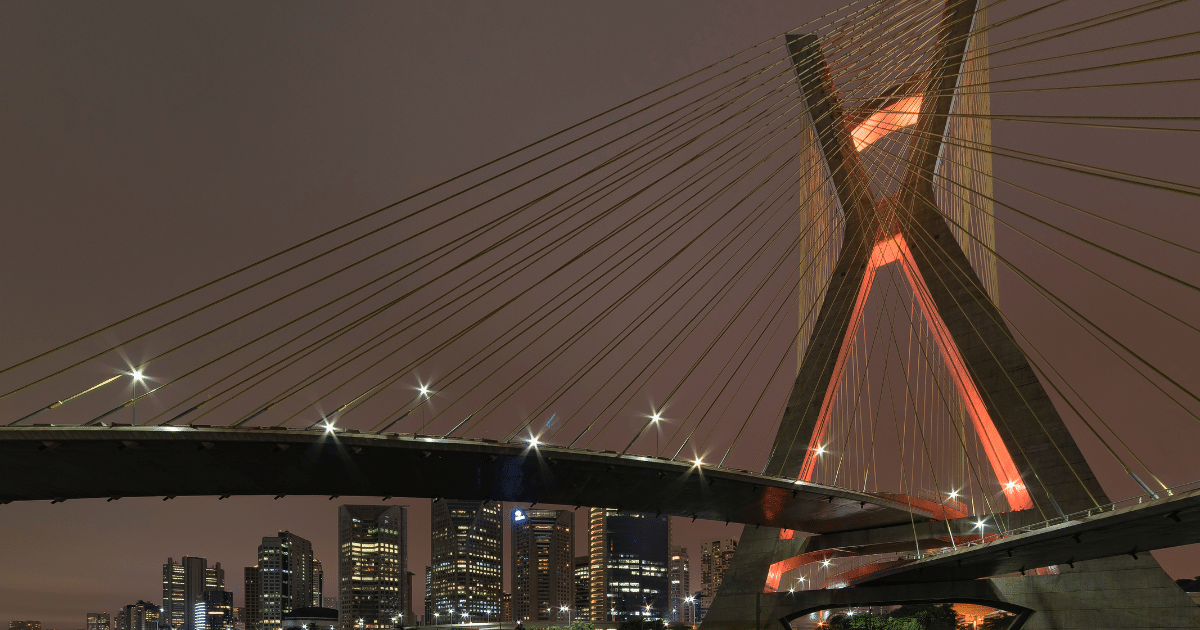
(138, 378)
(654, 419)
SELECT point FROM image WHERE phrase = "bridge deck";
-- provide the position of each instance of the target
(73, 462)
(1167, 522)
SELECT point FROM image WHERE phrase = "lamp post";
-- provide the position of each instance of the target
(137, 380)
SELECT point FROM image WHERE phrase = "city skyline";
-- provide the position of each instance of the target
(145, 160)
(299, 510)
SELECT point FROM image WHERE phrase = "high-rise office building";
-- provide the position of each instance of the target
(98, 621)
(281, 582)
(543, 563)
(214, 611)
(184, 585)
(252, 610)
(583, 589)
(428, 608)
(628, 564)
(409, 610)
(139, 616)
(318, 580)
(465, 578)
(715, 557)
(372, 565)
(506, 607)
(679, 574)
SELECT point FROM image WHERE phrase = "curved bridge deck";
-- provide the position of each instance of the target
(73, 462)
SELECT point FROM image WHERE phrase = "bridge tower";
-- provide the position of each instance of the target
(1025, 440)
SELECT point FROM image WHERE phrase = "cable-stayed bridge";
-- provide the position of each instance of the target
(784, 271)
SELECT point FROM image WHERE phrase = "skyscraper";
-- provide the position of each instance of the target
(678, 572)
(282, 581)
(465, 578)
(372, 565)
(543, 563)
(318, 580)
(184, 585)
(628, 564)
(214, 611)
(98, 621)
(252, 611)
(583, 607)
(139, 616)
(715, 557)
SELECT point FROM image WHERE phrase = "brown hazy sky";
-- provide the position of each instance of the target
(148, 147)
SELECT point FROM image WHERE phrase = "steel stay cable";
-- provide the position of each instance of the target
(733, 281)
(89, 390)
(69, 399)
(706, 203)
(1011, 266)
(623, 334)
(445, 182)
(452, 290)
(244, 289)
(610, 404)
(811, 309)
(510, 301)
(541, 365)
(921, 232)
(399, 202)
(747, 420)
(974, 466)
(477, 232)
(904, 187)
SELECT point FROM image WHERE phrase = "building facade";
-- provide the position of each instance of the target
(465, 577)
(543, 564)
(214, 611)
(372, 565)
(282, 580)
(183, 586)
(318, 583)
(583, 589)
(98, 621)
(628, 563)
(252, 611)
(715, 557)
(140, 616)
(679, 599)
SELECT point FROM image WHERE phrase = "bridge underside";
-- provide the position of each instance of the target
(60, 463)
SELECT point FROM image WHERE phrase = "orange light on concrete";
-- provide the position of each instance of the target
(895, 249)
(898, 115)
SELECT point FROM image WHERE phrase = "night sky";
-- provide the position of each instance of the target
(147, 148)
